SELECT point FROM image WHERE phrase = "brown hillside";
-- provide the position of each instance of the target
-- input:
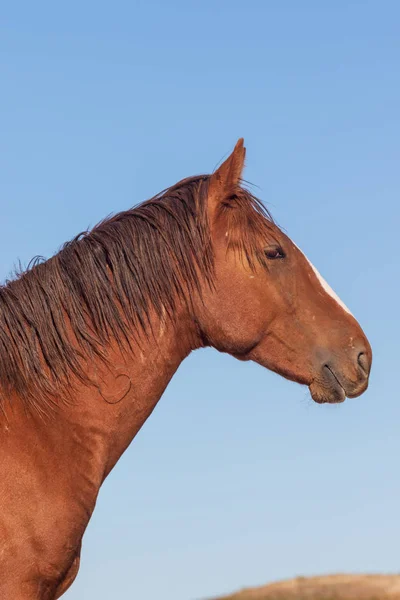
(331, 587)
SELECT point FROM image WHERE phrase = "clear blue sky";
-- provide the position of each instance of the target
(237, 478)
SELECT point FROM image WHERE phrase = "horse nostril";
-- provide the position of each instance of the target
(364, 363)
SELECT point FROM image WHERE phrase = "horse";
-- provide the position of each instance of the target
(90, 338)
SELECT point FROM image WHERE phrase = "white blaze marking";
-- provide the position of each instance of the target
(325, 285)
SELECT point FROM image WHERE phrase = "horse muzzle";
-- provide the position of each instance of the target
(338, 378)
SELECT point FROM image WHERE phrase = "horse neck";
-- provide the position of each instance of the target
(131, 384)
(52, 468)
(81, 441)
(130, 387)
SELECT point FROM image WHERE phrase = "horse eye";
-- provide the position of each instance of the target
(273, 252)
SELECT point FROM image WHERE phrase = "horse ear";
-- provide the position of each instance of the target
(225, 180)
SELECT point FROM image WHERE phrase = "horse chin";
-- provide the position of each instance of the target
(326, 389)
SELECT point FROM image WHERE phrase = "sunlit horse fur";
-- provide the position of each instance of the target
(90, 339)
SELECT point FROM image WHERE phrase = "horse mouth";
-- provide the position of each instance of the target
(327, 389)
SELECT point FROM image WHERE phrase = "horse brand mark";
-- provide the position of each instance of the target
(116, 387)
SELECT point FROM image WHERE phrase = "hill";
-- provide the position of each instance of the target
(330, 587)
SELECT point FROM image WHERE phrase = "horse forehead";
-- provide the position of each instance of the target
(324, 284)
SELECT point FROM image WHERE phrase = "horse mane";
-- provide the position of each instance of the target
(103, 284)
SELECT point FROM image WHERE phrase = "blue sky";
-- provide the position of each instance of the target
(237, 478)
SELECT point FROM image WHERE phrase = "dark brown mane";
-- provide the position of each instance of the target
(102, 284)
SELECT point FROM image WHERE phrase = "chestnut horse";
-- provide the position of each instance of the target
(90, 339)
